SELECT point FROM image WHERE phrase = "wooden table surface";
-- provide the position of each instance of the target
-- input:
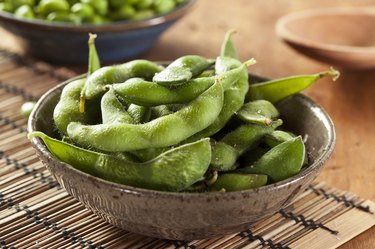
(350, 101)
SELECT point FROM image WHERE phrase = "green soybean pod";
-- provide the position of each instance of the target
(123, 12)
(118, 73)
(278, 89)
(258, 112)
(27, 108)
(112, 109)
(174, 170)
(223, 156)
(164, 131)
(277, 137)
(94, 64)
(182, 70)
(140, 114)
(233, 100)
(100, 6)
(230, 182)
(67, 109)
(84, 10)
(146, 93)
(227, 48)
(281, 162)
(164, 6)
(24, 11)
(47, 6)
(7, 7)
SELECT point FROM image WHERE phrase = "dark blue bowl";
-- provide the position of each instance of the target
(67, 44)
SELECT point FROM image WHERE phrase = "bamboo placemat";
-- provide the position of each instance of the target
(35, 212)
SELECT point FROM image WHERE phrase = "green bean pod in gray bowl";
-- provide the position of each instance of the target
(190, 149)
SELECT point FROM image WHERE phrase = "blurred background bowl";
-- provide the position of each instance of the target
(65, 43)
(341, 37)
(189, 216)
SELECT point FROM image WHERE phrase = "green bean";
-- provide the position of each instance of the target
(229, 182)
(164, 6)
(126, 11)
(84, 10)
(182, 70)
(7, 7)
(113, 111)
(100, 6)
(145, 93)
(278, 89)
(67, 109)
(280, 162)
(161, 132)
(27, 108)
(140, 114)
(258, 112)
(47, 6)
(24, 11)
(144, 4)
(18, 3)
(174, 170)
(119, 73)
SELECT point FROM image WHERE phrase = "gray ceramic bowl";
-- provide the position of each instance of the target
(188, 216)
(67, 44)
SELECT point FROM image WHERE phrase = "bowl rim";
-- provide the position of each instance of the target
(38, 144)
(118, 26)
(291, 37)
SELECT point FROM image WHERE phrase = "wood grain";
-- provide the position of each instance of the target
(349, 101)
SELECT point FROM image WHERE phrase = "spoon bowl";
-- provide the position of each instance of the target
(341, 37)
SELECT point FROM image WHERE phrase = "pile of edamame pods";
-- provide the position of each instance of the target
(194, 125)
(88, 11)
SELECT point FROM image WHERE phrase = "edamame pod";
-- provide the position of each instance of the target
(174, 170)
(233, 100)
(113, 111)
(140, 114)
(118, 73)
(182, 70)
(67, 109)
(278, 89)
(227, 48)
(160, 132)
(280, 162)
(229, 182)
(236, 142)
(146, 93)
(258, 112)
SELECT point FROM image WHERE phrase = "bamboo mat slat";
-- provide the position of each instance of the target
(35, 212)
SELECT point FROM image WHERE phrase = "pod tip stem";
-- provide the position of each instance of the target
(250, 62)
(82, 101)
(332, 72)
(92, 38)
